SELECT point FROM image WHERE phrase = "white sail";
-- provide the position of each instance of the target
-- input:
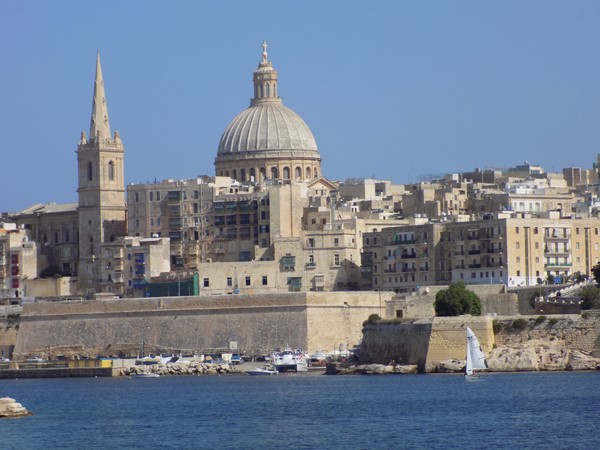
(475, 356)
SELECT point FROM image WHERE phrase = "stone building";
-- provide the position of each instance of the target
(18, 260)
(512, 249)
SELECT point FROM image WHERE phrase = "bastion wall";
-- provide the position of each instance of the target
(423, 341)
(254, 324)
(429, 341)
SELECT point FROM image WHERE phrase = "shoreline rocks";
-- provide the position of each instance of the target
(9, 407)
(180, 368)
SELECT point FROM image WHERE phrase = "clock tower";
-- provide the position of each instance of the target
(101, 189)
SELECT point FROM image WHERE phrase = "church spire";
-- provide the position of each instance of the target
(99, 126)
(265, 80)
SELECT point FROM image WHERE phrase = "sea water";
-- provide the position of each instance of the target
(523, 410)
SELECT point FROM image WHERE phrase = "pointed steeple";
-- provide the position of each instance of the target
(99, 126)
(265, 80)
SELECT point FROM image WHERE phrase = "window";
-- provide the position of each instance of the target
(89, 171)
(206, 282)
(517, 230)
(336, 259)
(535, 230)
(286, 173)
(336, 242)
(518, 273)
(111, 170)
(151, 196)
(136, 196)
(265, 280)
(248, 281)
(517, 245)
(158, 196)
(537, 245)
(518, 259)
(229, 282)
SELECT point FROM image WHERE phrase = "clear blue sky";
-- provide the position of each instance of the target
(390, 89)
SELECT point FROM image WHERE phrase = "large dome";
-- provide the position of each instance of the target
(267, 140)
(267, 126)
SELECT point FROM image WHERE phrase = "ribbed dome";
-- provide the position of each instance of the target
(267, 126)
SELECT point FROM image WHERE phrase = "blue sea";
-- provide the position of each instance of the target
(298, 411)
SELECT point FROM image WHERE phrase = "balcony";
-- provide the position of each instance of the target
(408, 256)
(409, 269)
(390, 271)
(556, 237)
(566, 264)
(474, 266)
(474, 252)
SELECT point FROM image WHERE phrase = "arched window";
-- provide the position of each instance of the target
(243, 174)
(268, 90)
(286, 173)
(274, 173)
(298, 173)
(227, 173)
(111, 171)
(89, 171)
(316, 174)
(308, 173)
(234, 174)
(262, 92)
(253, 174)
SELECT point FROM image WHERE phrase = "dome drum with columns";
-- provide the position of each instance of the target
(267, 140)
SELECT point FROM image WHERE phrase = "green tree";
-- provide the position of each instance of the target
(590, 296)
(596, 273)
(457, 300)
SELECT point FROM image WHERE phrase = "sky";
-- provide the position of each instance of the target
(394, 90)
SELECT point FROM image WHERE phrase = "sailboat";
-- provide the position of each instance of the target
(475, 357)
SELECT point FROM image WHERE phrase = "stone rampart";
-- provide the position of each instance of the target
(404, 343)
(255, 324)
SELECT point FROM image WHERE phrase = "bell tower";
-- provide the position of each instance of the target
(101, 189)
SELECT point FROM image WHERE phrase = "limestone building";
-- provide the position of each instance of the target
(18, 260)
(508, 248)
(101, 188)
(267, 140)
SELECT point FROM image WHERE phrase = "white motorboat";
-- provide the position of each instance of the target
(290, 360)
(260, 371)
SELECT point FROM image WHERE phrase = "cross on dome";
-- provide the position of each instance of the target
(264, 52)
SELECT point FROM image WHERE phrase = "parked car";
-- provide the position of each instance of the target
(236, 359)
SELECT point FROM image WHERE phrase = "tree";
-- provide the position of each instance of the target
(596, 273)
(590, 296)
(457, 300)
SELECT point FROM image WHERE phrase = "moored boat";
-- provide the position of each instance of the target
(260, 371)
(290, 360)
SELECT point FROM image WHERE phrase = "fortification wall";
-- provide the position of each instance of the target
(405, 343)
(424, 341)
(255, 324)
(335, 318)
(448, 338)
